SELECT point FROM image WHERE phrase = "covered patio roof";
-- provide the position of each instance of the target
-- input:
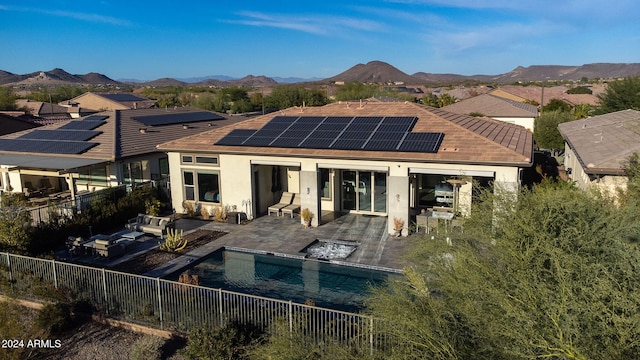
(46, 162)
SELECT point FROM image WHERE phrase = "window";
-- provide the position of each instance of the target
(200, 159)
(163, 163)
(206, 184)
(96, 175)
(132, 172)
(209, 160)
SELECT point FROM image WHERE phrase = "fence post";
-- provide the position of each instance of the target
(55, 276)
(220, 307)
(290, 317)
(371, 336)
(104, 288)
(160, 303)
(9, 267)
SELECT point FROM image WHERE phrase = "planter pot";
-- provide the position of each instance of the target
(307, 223)
(398, 232)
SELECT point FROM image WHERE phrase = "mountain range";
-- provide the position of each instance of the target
(372, 72)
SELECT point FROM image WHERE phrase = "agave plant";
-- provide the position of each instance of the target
(174, 241)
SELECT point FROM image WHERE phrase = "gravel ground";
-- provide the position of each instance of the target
(96, 341)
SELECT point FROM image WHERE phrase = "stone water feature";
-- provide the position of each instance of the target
(330, 249)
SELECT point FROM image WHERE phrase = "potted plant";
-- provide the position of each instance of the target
(307, 216)
(398, 225)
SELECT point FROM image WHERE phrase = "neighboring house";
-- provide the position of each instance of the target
(543, 95)
(44, 110)
(596, 147)
(11, 124)
(108, 101)
(381, 159)
(98, 151)
(498, 108)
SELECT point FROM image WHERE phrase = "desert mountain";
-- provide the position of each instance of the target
(54, 77)
(374, 72)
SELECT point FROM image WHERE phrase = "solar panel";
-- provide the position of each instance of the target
(95, 117)
(296, 134)
(82, 125)
(381, 145)
(287, 142)
(350, 144)
(45, 146)
(61, 135)
(316, 143)
(422, 142)
(177, 118)
(343, 133)
(257, 141)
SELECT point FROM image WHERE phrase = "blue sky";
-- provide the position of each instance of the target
(147, 40)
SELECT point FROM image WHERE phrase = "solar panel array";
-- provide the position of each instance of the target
(71, 138)
(45, 146)
(177, 118)
(340, 133)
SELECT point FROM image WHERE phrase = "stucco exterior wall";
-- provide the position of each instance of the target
(527, 123)
(238, 181)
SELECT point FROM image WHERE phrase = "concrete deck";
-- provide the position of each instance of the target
(285, 235)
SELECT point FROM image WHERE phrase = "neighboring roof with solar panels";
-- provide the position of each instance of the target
(177, 118)
(104, 137)
(374, 130)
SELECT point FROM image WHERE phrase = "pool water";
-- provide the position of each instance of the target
(324, 284)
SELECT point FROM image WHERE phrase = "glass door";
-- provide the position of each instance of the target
(364, 191)
(348, 190)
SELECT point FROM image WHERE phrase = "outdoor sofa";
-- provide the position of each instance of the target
(154, 225)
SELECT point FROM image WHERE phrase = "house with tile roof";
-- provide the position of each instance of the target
(108, 101)
(596, 147)
(498, 108)
(98, 151)
(376, 158)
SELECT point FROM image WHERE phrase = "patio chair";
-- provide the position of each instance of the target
(47, 188)
(293, 207)
(285, 200)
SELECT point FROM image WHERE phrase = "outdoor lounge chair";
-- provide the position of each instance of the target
(47, 188)
(293, 207)
(285, 200)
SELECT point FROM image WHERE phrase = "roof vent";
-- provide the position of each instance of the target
(143, 130)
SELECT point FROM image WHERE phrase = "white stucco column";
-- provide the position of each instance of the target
(309, 196)
(398, 195)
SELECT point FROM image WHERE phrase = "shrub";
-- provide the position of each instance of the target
(220, 213)
(147, 347)
(228, 342)
(189, 209)
(55, 318)
(204, 212)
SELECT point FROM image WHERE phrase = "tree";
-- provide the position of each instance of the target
(15, 222)
(580, 90)
(582, 111)
(556, 105)
(446, 99)
(7, 98)
(551, 272)
(620, 95)
(546, 133)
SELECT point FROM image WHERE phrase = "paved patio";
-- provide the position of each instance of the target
(285, 235)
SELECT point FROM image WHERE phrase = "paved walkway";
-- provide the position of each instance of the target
(285, 235)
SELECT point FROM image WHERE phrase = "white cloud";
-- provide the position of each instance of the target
(88, 17)
(316, 24)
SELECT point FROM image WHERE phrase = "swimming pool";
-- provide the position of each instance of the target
(299, 280)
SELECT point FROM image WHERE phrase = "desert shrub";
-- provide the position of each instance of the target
(228, 342)
(204, 212)
(147, 347)
(220, 213)
(189, 209)
(55, 318)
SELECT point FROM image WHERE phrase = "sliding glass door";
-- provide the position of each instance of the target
(364, 191)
